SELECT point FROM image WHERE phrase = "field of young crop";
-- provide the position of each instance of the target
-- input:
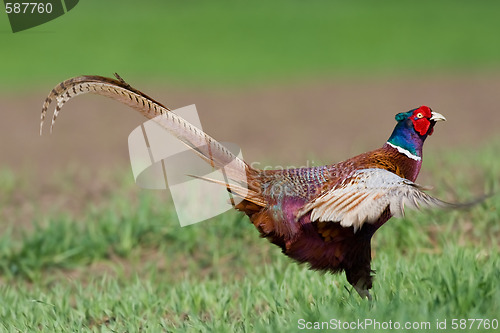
(127, 265)
(82, 248)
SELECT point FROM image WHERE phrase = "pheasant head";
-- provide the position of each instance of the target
(412, 129)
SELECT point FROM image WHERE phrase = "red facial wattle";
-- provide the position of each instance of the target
(421, 122)
(421, 125)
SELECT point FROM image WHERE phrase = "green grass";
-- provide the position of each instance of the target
(233, 42)
(128, 266)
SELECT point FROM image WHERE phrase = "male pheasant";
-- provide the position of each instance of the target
(324, 216)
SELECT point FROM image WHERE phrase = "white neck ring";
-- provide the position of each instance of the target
(406, 152)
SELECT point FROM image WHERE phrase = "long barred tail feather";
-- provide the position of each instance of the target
(116, 89)
(204, 145)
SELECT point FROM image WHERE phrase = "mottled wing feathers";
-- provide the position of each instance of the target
(363, 197)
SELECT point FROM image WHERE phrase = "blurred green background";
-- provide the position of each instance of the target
(236, 42)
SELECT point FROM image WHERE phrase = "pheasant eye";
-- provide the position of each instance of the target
(419, 115)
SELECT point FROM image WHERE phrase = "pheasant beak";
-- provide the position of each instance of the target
(437, 116)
